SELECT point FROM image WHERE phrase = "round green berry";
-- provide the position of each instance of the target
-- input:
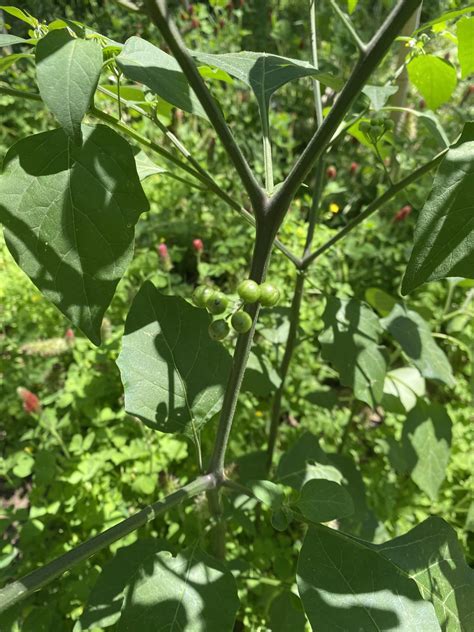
(389, 125)
(249, 291)
(218, 329)
(376, 131)
(241, 322)
(201, 294)
(217, 303)
(364, 127)
(269, 294)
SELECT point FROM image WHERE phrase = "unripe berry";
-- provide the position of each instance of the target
(201, 294)
(241, 322)
(218, 329)
(331, 171)
(249, 291)
(217, 302)
(353, 168)
(269, 294)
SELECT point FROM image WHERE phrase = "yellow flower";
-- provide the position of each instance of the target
(258, 413)
(334, 208)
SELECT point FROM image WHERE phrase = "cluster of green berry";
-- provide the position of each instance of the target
(376, 128)
(216, 303)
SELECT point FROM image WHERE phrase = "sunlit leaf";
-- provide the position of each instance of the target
(434, 78)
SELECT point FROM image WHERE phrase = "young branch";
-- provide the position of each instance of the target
(368, 61)
(160, 16)
(375, 206)
(17, 590)
(362, 46)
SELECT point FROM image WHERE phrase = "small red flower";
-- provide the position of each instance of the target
(31, 402)
(331, 171)
(354, 168)
(402, 213)
(69, 335)
(163, 251)
(198, 245)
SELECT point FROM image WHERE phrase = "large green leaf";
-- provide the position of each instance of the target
(173, 373)
(444, 235)
(191, 592)
(322, 500)
(296, 467)
(286, 613)
(426, 446)
(350, 343)
(402, 388)
(69, 214)
(413, 334)
(68, 70)
(346, 585)
(434, 78)
(431, 555)
(105, 602)
(264, 73)
(144, 63)
(465, 33)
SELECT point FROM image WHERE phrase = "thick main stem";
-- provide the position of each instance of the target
(39, 578)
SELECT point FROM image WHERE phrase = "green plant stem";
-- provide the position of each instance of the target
(267, 156)
(368, 61)
(27, 585)
(200, 175)
(349, 26)
(158, 12)
(375, 206)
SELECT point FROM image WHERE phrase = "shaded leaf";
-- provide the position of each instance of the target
(322, 501)
(431, 555)
(346, 585)
(434, 78)
(380, 300)
(268, 493)
(401, 389)
(281, 518)
(260, 377)
(286, 613)
(413, 334)
(191, 592)
(11, 40)
(173, 373)
(350, 343)
(68, 70)
(69, 214)
(144, 63)
(444, 235)
(426, 444)
(465, 33)
(294, 467)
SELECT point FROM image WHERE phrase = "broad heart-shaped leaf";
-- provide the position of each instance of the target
(144, 63)
(69, 214)
(434, 78)
(322, 501)
(68, 70)
(465, 33)
(413, 334)
(191, 592)
(402, 388)
(173, 373)
(430, 554)
(379, 95)
(264, 73)
(444, 234)
(349, 342)
(426, 445)
(346, 585)
(105, 602)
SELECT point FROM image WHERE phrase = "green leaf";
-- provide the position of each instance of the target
(380, 300)
(351, 6)
(350, 343)
(402, 388)
(191, 592)
(434, 78)
(413, 334)
(286, 613)
(281, 518)
(322, 501)
(9, 60)
(426, 445)
(68, 70)
(260, 377)
(294, 468)
(10, 40)
(173, 373)
(445, 17)
(145, 166)
(264, 73)
(431, 555)
(144, 63)
(379, 95)
(105, 602)
(69, 214)
(345, 585)
(444, 235)
(433, 125)
(24, 16)
(268, 493)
